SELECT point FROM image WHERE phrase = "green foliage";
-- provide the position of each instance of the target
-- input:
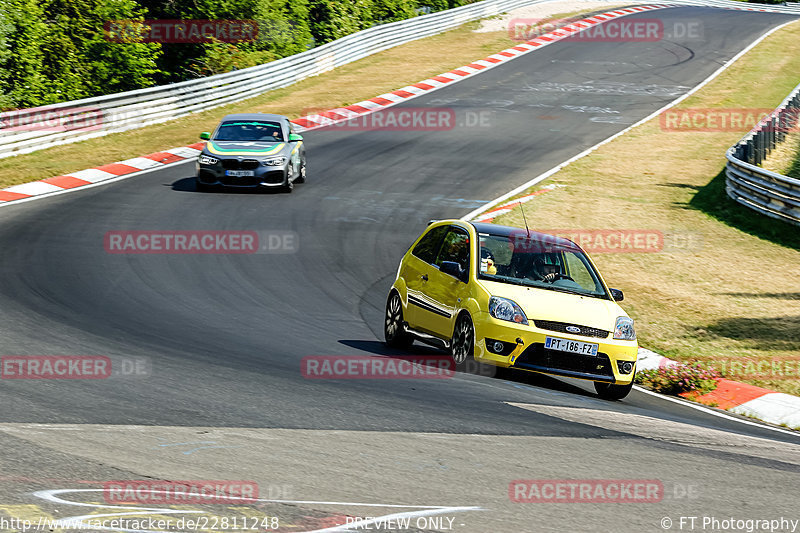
(282, 31)
(384, 11)
(675, 379)
(57, 50)
(332, 19)
(5, 52)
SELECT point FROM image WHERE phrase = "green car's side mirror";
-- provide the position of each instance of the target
(205, 136)
(293, 137)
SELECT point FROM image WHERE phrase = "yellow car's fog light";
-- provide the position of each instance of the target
(499, 347)
(625, 367)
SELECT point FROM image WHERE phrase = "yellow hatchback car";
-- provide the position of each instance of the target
(512, 298)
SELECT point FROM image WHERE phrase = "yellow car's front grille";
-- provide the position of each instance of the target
(564, 327)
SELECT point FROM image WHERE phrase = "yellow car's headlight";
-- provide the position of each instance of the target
(623, 329)
(505, 309)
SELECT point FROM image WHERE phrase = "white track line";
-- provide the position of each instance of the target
(74, 522)
(700, 407)
(89, 186)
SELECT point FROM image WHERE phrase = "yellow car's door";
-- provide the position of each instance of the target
(446, 291)
(417, 271)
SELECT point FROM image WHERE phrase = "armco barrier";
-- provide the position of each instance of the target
(769, 193)
(95, 117)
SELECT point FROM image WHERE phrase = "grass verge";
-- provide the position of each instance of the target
(785, 158)
(734, 296)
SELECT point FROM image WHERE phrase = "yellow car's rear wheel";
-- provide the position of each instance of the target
(462, 346)
(393, 331)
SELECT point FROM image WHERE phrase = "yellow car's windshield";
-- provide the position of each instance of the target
(538, 261)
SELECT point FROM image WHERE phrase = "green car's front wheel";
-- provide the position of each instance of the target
(301, 174)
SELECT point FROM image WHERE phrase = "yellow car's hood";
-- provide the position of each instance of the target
(543, 304)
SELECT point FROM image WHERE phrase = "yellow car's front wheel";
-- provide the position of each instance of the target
(608, 391)
(462, 346)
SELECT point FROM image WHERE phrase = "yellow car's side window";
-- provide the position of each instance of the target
(455, 248)
(428, 247)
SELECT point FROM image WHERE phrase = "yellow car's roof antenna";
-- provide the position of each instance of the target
(524, 219)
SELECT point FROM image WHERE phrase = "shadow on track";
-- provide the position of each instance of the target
(511, 375)
(189, 185)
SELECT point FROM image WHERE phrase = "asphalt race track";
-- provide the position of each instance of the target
(223, 335)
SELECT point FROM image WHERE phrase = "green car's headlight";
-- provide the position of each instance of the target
(207, 160)
(623, 329)
(274, 161)
(505, 309)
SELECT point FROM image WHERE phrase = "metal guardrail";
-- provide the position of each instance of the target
(767, 192)
(99, 116)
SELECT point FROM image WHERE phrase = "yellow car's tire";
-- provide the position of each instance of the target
(607, 391)
(393, 331)
(462, 345)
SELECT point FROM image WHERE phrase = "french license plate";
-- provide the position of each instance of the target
(240, 173)
(565, 345)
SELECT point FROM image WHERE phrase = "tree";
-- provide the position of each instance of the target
(86, 61)
(384, 11)
(58, 51)
(282, 31)
(5, 52)
(331, 19)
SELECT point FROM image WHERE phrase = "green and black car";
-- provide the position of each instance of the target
(252, 150)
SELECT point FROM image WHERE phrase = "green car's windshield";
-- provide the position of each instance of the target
(538, 261)
(251, 131)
